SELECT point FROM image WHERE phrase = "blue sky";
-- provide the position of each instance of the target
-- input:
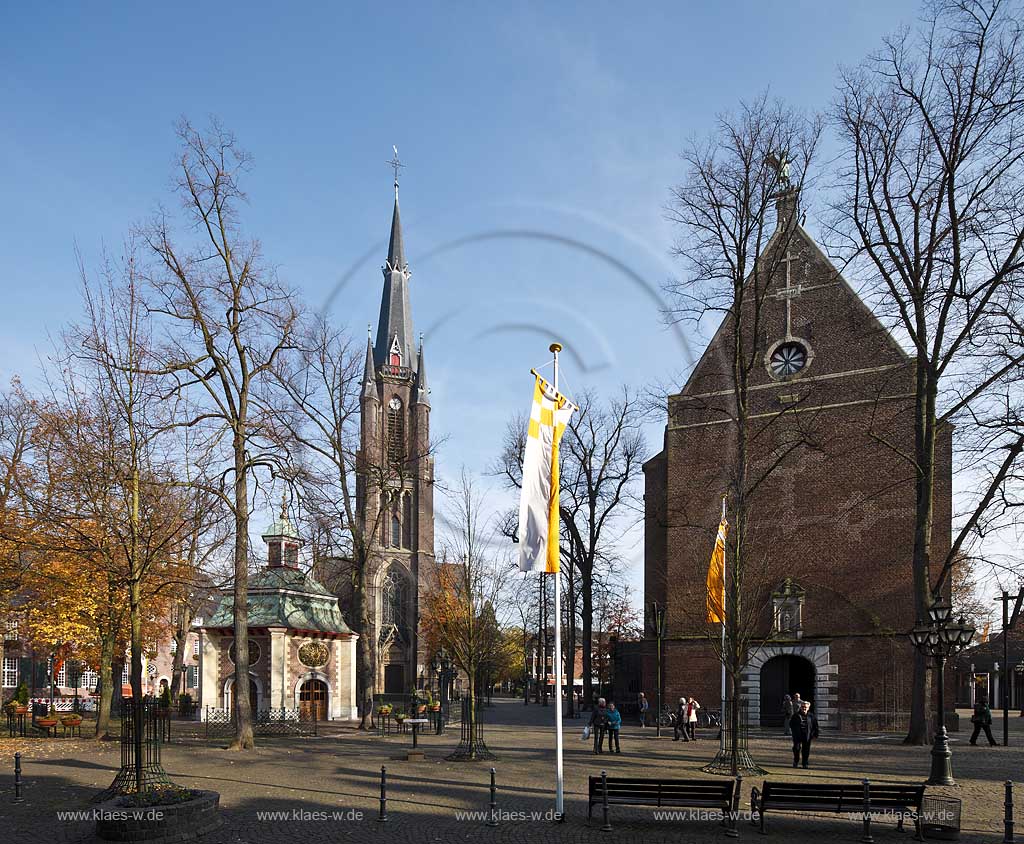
(540, 143)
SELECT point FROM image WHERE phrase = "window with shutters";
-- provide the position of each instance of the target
(396, 432)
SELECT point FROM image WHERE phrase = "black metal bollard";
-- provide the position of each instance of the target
(866, 837)
(607, 827)
(382, 816)
(1008, 814)
(18, 784)
(493, 818)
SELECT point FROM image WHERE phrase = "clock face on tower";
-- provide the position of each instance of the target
(395, 403)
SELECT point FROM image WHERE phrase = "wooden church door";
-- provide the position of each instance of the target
(313, 700)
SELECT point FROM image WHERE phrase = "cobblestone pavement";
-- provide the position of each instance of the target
(326, 788)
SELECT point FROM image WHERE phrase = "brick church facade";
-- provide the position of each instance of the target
(395, 481)
(828, 584)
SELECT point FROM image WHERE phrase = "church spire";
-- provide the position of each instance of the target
(422, 390)
(369, 371)
(394, 346)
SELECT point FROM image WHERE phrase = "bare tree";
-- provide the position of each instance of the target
(467, 605)
(931, 206)
(755, 160)
(229, 319)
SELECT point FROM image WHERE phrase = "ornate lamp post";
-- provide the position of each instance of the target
(940, 639)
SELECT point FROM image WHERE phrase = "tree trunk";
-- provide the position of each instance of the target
(924, 447)
(587, 619)
(178, 668)
(106, 686)
(366, 662)
(243, 706)
(134, 591)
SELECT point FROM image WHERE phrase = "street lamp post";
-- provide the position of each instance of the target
(658, 616)
(940, 639)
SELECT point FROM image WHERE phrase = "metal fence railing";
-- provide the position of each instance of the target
(220, 723)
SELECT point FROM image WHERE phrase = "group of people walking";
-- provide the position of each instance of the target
(605, 719)
(685, 722)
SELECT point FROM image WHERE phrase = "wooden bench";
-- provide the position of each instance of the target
(864, 799)
(718, 795)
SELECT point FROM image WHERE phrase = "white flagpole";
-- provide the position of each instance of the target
(721, 730)
(559, 805)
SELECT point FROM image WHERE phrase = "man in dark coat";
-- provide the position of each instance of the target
(599, 725)
(804, 727)
(679, 721)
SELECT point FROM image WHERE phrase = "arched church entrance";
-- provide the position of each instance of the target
(784, 675)
(313, 700)
(254, 696)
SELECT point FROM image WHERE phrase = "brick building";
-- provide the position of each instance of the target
(828, 585)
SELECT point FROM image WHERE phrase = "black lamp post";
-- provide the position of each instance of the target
(658, 619)
(941, 639)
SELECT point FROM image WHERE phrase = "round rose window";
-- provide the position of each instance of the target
(788, 359)
(254, 652)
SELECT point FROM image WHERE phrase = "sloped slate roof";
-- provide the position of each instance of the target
(286, 597)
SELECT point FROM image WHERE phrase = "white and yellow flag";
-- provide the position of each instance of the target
(538, 506)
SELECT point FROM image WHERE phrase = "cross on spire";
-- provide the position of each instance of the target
(396, 165)
(790, 292)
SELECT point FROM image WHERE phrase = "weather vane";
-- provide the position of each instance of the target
(396, 165)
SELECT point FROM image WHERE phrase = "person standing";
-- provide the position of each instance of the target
(691, 718)
(982, 720)
(804, 726)
(679, 721)
(599, 724)
(643, 706)
(787, 714)
(614, 725)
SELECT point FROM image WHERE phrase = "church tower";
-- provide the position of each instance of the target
(396, 475)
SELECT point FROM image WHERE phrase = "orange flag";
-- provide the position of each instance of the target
(716, 577)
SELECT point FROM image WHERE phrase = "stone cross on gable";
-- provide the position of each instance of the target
(790, 292)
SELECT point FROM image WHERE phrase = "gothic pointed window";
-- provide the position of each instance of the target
(395, 355)
(392, 601)
(396, 531)
(407, 520)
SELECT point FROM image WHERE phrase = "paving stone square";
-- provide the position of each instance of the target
(326, 788)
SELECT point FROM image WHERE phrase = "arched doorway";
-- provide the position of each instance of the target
(313, 700)
(784, 675)
(254, 696)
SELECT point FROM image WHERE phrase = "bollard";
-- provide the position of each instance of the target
(607, 827)
(866, 837)
(382, 816)
(493, 819)
(1008, 814)
(18, 784)
(734, 810)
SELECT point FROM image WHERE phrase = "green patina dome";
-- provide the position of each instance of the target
(286, 597)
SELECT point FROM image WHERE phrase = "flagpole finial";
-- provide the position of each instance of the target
(555, 348)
